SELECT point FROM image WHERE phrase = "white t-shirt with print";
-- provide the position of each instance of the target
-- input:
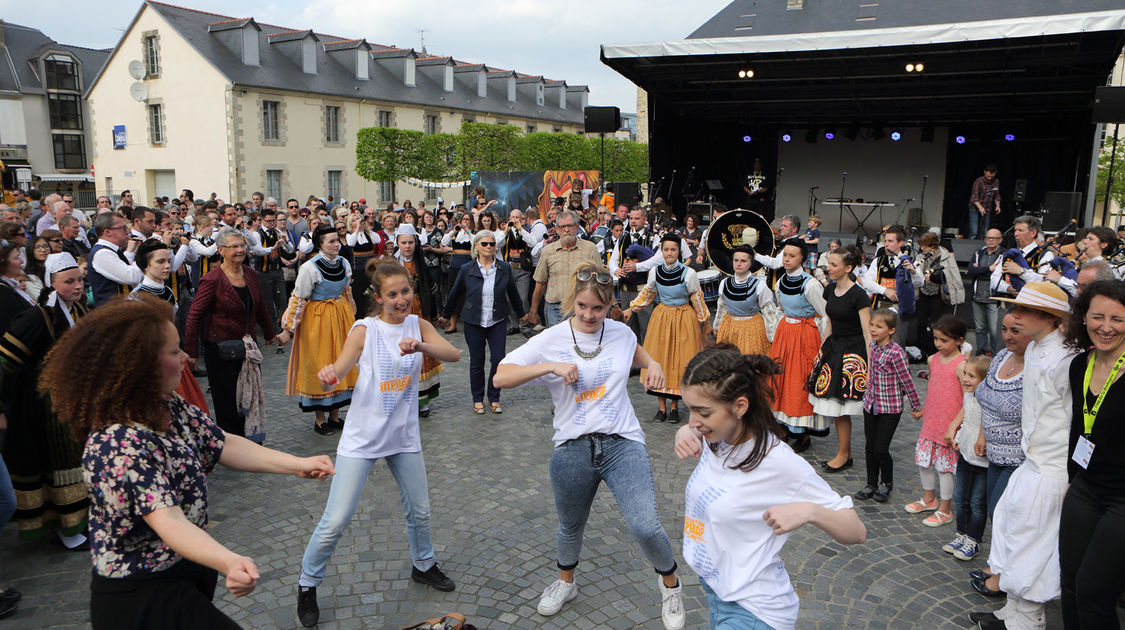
(727, 543)
(598, 402)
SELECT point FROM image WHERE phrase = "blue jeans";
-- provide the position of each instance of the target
(475, 337)
(553, 313)
(970, 498)
(409, 471)
(978, 224)
(997, 480)
(986, 323)
(729, 615)
(577, 469)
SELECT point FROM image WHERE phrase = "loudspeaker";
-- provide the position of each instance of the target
(626, 193)
(602, 119)
(1109, 104)
(1019, 193)
(1060, 208)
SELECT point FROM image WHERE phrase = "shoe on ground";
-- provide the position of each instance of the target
(828, 468)
(937, 519)
(433, 577)
(920, 506)
(674, 416)
(865, 494)
(804, 441)
(977, 617)
(883, 493)
(324, 429)
(660, 416)
(10, 594)
(337, 425)
(308, 612)
(954, 544)
(981, 586)
(424, 411)
(992, 624)
(555, 595)
(978, 574)
(968, 550)
(671, 606)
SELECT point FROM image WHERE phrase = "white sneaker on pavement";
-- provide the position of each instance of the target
(671, 606)
(557, 594)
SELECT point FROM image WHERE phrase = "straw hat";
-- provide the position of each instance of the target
(1041, 296)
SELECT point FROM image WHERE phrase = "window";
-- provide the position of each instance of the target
(152, 57)
(62, 74)
(273, 184)
(334, 184)
(531, 129)
(156, 124)
(500, 121)
(431, 124)
(70, 151)
(270, 129)
(332, 123)
(386, 192)
(556, 129)
(384, 119)
(430, 192)
(66, 111)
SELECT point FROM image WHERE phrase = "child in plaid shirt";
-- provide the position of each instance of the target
(882, 404)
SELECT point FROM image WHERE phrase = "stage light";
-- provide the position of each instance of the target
(746, 74)
(785, 137)
(742, 74)
(746, 138)
(749, 74)
(1009, 137)
(919, 67)
(910, 67)
(896, 135)
(830, 135)
(915, 67)
(960, 139)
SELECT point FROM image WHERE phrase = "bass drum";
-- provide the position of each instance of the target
(727, 232)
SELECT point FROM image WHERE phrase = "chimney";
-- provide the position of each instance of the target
(297, 46)
(353, 54)
(241, 37)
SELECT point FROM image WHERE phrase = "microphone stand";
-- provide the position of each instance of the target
(843, 180)
(812, 200)
(671, 186)
(922, 202)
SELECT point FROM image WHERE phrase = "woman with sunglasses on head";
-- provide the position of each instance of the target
(676, 328)
(584, 362)
(489, 294)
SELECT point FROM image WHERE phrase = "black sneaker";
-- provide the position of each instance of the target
(434, 577)
(674, 416)
(337, 425)
(883, 493)
(803, 443)
(307, 610)
(324, 429)
(865, 494)
(660, 416)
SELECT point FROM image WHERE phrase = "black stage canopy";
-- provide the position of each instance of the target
(758, 71)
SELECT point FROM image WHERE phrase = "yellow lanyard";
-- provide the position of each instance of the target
(1089, 415)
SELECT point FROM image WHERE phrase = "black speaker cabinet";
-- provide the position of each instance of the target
(602, 119)
(1019, 193)
(1060, 208)
(1109, 104)
(627, 193)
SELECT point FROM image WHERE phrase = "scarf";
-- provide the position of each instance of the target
(248, 393)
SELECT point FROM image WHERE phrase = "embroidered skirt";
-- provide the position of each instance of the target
(318, 341)
(839, 378)
(672, 338)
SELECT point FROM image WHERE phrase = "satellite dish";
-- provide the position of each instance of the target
(138, 91)
(137, 69)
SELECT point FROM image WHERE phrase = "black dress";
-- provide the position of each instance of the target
(839, 376)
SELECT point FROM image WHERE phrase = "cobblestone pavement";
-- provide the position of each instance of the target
(493, 523)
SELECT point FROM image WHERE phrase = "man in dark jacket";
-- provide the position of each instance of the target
(985, 310)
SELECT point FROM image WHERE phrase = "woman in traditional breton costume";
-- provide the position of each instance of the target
(796, 344)
(738, 317)
(674, 332)
(320, 313)
(43, 458)
(408, 252)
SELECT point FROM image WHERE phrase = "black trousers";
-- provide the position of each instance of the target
(878, 429)
(272, 283)
(176, 599)
(475, 337)
(1091, 555)
(222, 377)
(930, 308)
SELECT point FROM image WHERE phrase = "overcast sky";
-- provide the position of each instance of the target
(557, 40)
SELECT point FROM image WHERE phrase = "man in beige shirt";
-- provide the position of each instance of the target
(557, 263)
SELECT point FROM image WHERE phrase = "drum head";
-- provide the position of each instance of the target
(726, 233)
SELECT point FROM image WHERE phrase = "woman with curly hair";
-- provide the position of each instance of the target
(146, 456)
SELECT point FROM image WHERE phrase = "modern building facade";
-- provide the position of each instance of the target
(190, 99)
(45, 131)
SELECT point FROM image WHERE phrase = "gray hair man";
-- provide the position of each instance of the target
(557, 261)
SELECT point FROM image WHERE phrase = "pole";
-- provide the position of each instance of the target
(1109, 177)
(602, 134)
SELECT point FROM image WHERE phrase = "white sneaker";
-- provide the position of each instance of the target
(557, 594)
(671, 606)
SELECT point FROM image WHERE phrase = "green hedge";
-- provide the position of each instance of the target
(388, 154)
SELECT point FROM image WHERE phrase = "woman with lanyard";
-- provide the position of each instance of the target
(42, 456)
(430, 238)
(796, 344)
(584, 362)
(424, 305)
(1092, 528)
(460, 239)
(319, 315)
(675, 329)
(738, 313)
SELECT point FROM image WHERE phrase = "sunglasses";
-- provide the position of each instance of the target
(487, 243)
(601, 277)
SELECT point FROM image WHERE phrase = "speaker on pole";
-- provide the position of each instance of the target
(602, 119)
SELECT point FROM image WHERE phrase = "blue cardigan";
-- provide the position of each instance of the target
(469, 285)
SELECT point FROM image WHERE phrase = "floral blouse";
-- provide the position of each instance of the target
(131, 471)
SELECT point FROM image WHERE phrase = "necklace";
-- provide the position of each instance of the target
(593, 353)
(1012, 368)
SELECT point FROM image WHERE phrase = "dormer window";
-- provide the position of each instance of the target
(62, 73)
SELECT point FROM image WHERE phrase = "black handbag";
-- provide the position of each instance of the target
(231, 350)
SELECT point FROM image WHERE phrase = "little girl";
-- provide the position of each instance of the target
(748, 492)
(382, 423)
(971, 495)
(935, 456)
(882, 404)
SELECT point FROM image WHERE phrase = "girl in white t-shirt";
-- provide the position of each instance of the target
(382, 422)
(748, 492)
(584, 362)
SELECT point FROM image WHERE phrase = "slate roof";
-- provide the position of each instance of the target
(333, 78)
(23, 43)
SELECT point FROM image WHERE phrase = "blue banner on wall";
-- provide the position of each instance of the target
(119, 141)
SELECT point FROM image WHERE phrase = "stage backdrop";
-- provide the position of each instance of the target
(520, 189)
(877, 170)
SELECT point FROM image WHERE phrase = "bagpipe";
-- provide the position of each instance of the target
(1061, 264)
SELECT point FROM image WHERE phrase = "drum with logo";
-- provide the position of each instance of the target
(735, 228)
